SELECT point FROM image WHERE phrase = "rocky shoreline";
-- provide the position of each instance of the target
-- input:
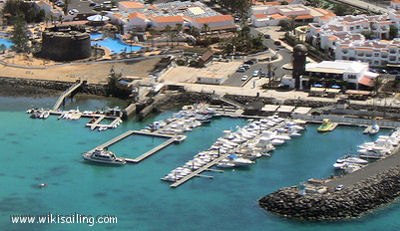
(348, 203)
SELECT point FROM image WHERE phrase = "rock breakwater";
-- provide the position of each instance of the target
(32, 87)
(350, 202)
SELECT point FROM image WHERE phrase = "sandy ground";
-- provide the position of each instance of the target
(181, 74)
(93, 73)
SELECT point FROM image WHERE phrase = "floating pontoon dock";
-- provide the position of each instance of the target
(171, 139)
(198, 171)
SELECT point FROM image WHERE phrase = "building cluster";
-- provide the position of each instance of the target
(271, 15)
(139, 16)
(360, 37)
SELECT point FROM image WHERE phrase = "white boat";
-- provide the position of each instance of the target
(349, 168)
(372, 129)
(344, 162)
(352, 160)
(103, 156)
(277, 142)
(225, 164)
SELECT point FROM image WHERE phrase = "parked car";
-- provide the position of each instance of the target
(241, 69)
(246, 66)
(267, 36)
(256, 73)
(249, 62)
(339, 187)
(263, 74)
(277, 43)
(244, 77)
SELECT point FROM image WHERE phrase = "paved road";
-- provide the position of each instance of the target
(364, 5)
(285, 57)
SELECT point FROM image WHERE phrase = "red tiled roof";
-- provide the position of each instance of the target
(166, 19)
(277, 16)
(366, 81)
(132, 5)
(260, 15)
(217, 18)
(304, 16)
(137, 15)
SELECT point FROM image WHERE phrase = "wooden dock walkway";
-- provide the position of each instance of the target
(65, 94)
(151, 152)
(171, 139)
(198, 171)
(153, 134)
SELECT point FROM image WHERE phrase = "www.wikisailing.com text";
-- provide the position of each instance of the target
(74, 218)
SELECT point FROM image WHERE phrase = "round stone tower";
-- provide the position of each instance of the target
(65, 43)
(299, 63)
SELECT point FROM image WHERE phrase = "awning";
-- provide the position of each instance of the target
(366, 81)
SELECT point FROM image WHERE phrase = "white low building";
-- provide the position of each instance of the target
(352, 72)
(267, 15)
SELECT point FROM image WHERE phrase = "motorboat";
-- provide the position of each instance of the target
(372, 129)
(351, 159)
(103, 156)
(225, 164)
(239, 161)
(327, 126)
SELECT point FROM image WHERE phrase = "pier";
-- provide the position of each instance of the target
(198, 171)
(66, 93)
(151, 152)
(371, 169)
(115, 139)
(171, 139)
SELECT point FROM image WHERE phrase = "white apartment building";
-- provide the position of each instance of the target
(343, 38)
(271, 15)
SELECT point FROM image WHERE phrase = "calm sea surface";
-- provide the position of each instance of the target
(49, 151)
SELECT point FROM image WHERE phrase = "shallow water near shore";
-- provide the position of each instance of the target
(49, 151)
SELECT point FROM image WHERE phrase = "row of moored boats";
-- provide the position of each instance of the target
(38, 113)
(382, 147)
(185, 120)
(241, 147)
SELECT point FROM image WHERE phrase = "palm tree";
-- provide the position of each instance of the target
(178, 28)
(152, 32)
(167, 30)
(205, 28)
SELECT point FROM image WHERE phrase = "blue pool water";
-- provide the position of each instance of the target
(6, 42)
(114, 44)
(36, 151)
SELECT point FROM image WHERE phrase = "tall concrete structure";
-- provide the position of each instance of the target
(299, 63)
(65, 43)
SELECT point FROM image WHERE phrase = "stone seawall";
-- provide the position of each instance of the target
(350, 202)
(32, 87)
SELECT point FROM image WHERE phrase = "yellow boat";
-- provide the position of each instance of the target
(327, 126)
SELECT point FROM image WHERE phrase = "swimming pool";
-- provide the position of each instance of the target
(6, 42)
(114, 44)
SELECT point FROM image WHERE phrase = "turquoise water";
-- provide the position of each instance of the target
(6, 42)
(115, 45)
(36, 151)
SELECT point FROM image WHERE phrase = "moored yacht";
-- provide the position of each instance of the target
(103, 156)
